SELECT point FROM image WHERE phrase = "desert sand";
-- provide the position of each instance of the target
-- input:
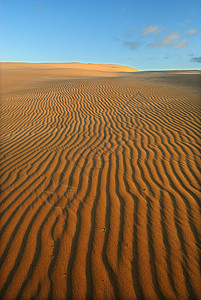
(100, 182)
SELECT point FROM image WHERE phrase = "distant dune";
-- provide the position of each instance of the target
(40, 72)
(100, 183)
(75, 66)
(43, 71)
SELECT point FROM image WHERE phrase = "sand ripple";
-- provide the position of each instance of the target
(100, 191)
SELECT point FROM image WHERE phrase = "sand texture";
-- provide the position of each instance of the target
(100, 183)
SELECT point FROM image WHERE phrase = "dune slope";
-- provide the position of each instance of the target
(100, 188)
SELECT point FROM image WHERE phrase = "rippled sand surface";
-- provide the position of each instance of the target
(100, 183)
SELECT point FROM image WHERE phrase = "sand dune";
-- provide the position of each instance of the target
(31, 74)
(100, 184)
(75, 66)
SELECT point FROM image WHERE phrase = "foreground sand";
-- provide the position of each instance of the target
(100, 184)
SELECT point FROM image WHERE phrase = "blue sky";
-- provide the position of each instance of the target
(146, 34)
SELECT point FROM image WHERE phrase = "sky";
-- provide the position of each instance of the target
(144, 34)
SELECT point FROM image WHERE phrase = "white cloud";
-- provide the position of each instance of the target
(182, 44)
(170, 39)
(184, 23)
(132, 44)
(192, 31)
(39, 5)
(167, 55)
(155, 44)
(115, 39)
(196, 59)
(151, 29)
(129, 33)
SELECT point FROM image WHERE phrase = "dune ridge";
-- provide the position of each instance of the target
(100, 189)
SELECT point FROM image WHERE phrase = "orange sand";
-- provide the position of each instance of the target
(100, 183)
